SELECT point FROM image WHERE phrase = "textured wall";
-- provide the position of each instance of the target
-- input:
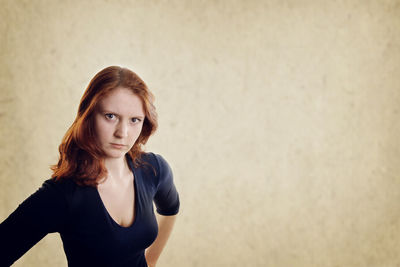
(279, 118)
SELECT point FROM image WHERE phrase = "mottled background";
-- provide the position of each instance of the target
(279, 118)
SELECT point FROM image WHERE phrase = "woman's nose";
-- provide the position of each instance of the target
(121, 130)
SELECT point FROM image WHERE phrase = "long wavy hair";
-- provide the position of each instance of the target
(81, 158)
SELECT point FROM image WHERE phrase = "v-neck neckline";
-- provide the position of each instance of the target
(135, 204)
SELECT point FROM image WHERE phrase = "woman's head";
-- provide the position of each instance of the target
(118, 122)
(81, 153)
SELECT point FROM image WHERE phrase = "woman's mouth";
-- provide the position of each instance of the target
(118, 146)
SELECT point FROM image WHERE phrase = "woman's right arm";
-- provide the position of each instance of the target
(41, 213)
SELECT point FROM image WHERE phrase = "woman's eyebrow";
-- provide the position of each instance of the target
(115, 113)
(139, 117)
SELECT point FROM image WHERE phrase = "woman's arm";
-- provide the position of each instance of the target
(41, 213)
(165, 226)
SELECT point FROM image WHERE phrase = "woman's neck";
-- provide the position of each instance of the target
(117, 168)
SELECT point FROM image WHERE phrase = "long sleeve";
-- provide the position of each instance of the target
(166, 198)
(45, 211)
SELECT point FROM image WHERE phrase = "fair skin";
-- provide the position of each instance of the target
(118, 123)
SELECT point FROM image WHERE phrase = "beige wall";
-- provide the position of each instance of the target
(279, 118)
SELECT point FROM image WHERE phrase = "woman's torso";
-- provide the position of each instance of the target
(92, 230)
(90, 235)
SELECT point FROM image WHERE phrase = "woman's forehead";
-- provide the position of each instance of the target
(122, 101)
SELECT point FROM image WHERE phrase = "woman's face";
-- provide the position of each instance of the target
(118, 122)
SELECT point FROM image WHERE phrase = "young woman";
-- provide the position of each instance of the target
(100, 197)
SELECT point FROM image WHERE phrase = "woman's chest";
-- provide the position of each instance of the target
(88, 205)
(91, 226)
(119, 202)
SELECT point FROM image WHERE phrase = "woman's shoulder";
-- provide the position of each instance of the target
(68, 191)
(161, 170)
(156, 161)
(59, 183)
(61, 187)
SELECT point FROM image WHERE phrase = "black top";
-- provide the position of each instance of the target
(89, 234)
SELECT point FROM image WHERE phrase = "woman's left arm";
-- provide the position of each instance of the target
(165, 226)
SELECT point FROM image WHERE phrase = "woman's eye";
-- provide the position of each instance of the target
(135, 120)
(110, 116)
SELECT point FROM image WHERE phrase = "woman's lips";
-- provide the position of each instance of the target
(119, 146)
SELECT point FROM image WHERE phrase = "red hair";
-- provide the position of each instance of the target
(81, 158)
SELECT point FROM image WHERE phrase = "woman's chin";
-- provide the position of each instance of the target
(115, 154)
